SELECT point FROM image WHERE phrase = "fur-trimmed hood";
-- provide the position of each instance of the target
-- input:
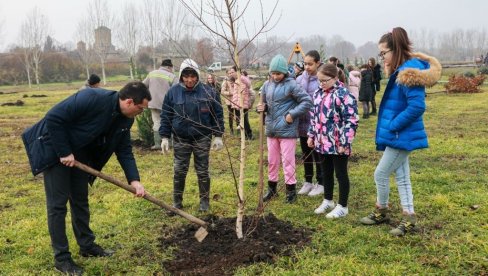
(418, 76)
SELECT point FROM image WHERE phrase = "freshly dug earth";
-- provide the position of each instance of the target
(220, 253)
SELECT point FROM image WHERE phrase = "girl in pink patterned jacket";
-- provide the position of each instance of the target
(332, 130)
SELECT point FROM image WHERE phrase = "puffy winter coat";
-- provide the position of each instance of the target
(283, 98)
(245, 88)
(88, 121)
(400, 123)
(365, 88)
(334, 120)
(310, 84)
(191, 113)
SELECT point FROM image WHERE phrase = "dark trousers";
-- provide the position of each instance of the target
(231, 118)
(335, 163)
(310, 157)
(247, 126)
(62, 185)
(183, 149)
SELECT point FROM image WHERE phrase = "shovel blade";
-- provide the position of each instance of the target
(201, 234)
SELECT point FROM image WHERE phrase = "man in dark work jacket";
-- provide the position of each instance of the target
(89, 127)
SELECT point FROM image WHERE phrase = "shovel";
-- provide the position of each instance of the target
(199, 235)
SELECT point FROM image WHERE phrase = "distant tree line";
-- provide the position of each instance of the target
(152, 29)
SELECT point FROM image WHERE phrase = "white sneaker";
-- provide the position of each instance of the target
(317, 190)
(338, 212)
(306, 188)
(326, 204)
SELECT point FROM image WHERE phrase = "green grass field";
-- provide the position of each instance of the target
(449, 184)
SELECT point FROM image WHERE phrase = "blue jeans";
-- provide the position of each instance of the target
(394, 160)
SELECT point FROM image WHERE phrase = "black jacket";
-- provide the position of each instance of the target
(88, 121)
(191, 114)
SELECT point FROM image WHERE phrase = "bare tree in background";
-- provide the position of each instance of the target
(152, 21)
(25, 57)
(34, 31)
(224, 21)
(204, 51)
(1, 26)
(84, 34)
(128, 33)
(178, 28)
(100, 16)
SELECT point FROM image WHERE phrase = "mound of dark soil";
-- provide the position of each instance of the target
(221, 252)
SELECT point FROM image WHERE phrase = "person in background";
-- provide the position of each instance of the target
(333, 124)
(400, 128)
(354, 81)
(89, 126)
(92, 82)
(298, 68)
(238, 90)
(226, 93)
(376, 68)
(284, 102)
(212, 82)
(365, 89)
(308, 81)
(159, 82)
(191, 114)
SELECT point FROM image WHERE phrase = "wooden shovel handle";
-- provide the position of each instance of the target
(131, 189)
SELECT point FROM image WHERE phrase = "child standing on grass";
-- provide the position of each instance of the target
(332, 129)
(400, 128)
(284, 101)
(308, 81)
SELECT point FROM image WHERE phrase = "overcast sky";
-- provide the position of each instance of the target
(357, 21)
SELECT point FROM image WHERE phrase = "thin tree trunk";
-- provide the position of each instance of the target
(103, 72)
(242, 159)
(28, 76)
(36, 73)
(261, 159)
(87, 71)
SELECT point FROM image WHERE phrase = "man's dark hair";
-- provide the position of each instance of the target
(136, 91)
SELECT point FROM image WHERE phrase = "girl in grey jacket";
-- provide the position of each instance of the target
(284, 102)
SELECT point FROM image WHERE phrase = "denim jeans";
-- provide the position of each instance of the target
(394, 160)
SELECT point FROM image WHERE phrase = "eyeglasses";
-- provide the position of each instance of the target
(383, 53)
(141, 107)
(324, 81)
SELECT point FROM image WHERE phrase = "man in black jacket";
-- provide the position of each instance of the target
(89, 127)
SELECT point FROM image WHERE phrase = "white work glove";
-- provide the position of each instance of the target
(217, 143)
(164, 145)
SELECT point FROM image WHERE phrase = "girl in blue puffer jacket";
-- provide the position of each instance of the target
(400, 128)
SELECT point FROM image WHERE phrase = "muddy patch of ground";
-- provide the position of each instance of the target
(220, 253)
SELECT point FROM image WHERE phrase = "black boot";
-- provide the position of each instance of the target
(373, 106)
(204, 188)
(178, 189)
(291, 193)
(271, 191)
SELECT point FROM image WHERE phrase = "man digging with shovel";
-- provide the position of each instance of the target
(89, 127)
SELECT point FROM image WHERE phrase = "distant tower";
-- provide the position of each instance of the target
(81, 46)
(103, 38)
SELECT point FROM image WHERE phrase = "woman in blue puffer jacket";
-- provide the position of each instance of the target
(400, 128)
